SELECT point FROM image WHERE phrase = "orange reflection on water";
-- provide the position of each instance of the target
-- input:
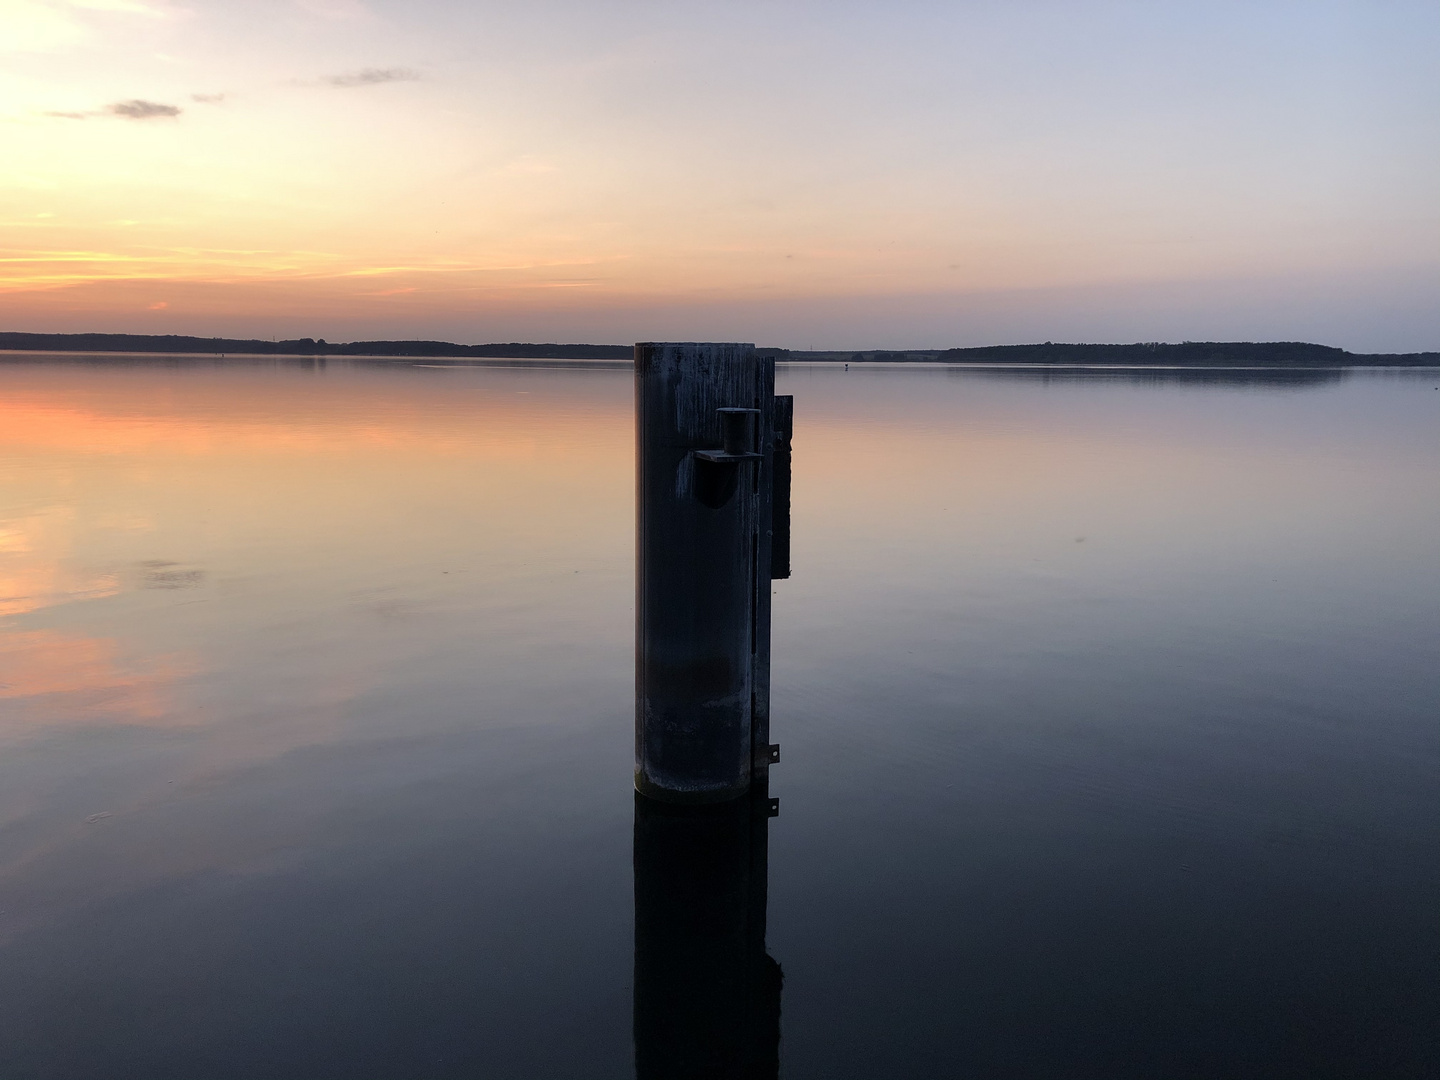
(32, 576)
(324, 519)
(225, 414)
(49, 677)
(42, 427)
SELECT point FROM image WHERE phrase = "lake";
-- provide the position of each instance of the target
(1108, 701)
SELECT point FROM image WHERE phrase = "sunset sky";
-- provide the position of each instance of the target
(833, 174)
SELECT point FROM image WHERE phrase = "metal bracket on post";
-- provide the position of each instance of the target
(738, 433)
(780, 487)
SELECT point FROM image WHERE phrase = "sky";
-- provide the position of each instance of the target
(810, 175)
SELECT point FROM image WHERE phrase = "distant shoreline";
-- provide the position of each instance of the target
(1146, 354)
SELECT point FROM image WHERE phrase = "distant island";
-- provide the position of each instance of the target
(1152, 353)
(176, 343)
(1144, 354)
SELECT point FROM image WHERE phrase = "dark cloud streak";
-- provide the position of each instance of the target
(137, 109)
(372, 77)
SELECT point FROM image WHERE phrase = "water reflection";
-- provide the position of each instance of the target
(50, 679)
(1109, 733)
(707, 995)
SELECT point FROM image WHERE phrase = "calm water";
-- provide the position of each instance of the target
(1108, 703)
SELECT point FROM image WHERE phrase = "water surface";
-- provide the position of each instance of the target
(1108, 703)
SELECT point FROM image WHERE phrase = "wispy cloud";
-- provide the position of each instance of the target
(129, 7)
(137, 109)
(372, 77)
(336, 9)
(208, 99)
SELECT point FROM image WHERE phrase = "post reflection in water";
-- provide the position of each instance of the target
(707, 995)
